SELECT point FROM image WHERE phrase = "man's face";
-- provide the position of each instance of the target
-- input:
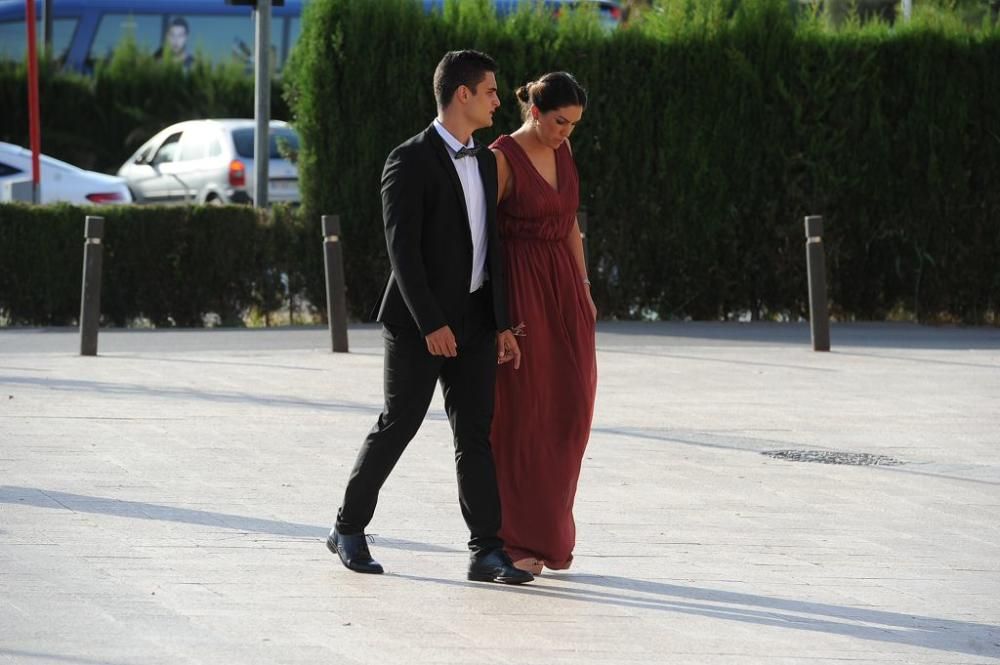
(483, 102)
(177, 37)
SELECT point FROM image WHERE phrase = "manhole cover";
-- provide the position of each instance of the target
(833, 457)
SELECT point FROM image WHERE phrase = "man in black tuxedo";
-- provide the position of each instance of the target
(441, 310)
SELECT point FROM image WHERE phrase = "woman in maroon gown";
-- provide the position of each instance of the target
(543, 410)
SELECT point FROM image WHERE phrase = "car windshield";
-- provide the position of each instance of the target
(283, 141)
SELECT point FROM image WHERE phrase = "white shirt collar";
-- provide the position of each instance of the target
(449, 140)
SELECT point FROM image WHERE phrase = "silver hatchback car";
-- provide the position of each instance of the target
(211, 161)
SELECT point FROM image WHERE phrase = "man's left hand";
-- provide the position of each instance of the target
(507, 349)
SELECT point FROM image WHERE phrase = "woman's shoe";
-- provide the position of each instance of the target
(530, 564)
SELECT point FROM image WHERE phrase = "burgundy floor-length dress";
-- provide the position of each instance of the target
(543, 412)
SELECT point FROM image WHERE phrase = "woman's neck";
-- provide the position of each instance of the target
(530, 139)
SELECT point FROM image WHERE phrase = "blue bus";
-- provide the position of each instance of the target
(85, 32)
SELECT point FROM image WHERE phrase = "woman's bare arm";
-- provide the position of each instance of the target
(503, 175)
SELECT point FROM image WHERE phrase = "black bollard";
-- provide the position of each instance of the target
(819, 318)
(336, 290)
(90, 299)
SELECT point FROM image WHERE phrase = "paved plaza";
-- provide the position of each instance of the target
(167, 503)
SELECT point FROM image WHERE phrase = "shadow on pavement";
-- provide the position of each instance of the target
(48, 657)
(186, 393)
(879, 626)
(79, 503)
(748, 444)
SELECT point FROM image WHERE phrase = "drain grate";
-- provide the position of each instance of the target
(833, 457)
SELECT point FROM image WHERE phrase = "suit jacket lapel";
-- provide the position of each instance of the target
(489, 179)
(487, 173)
(448, 162)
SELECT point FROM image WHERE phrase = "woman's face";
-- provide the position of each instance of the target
(555, 126)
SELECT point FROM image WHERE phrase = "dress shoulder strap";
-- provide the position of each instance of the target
(515, 155)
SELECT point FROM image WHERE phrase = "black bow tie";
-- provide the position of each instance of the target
(468, 152)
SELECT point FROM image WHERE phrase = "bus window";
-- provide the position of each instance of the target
(222, 39)
(146, 29)
(14, 38)
(294, 29)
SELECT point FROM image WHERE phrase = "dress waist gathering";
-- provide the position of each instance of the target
(532, 239)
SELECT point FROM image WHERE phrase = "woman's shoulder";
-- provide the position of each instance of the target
(501, 142)
(510, 147)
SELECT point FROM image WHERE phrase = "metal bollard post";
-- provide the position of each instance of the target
(336, 291)
(819, 318)
(90, 298)
(581, 218)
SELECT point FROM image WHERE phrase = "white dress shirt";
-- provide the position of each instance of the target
(475, 202)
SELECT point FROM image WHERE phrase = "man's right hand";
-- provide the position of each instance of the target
(441, 342)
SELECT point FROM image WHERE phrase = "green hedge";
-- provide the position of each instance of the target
(98, 122)
(714, 128)
(171, 266)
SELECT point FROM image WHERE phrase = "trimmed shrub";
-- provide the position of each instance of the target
(167, 266)
(714, 127)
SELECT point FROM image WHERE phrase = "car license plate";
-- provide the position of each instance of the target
(282, 185)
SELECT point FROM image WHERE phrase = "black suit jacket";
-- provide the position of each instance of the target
(428, 237)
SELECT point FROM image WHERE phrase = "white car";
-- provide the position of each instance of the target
(59, 181)
(211, 162)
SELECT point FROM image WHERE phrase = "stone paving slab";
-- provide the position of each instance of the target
(167, 502)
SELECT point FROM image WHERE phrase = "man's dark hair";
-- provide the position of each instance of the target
(458, 68)
(179, 22)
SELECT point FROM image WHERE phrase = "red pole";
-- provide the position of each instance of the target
(34, 129)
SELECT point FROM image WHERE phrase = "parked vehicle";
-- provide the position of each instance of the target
(211, 162)
(59, 181)
(84, 32)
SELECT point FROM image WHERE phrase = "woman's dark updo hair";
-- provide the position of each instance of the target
(553, 91)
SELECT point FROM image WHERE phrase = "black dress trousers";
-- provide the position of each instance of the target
(467, 382)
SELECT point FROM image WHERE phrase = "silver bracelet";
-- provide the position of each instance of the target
(586, 282)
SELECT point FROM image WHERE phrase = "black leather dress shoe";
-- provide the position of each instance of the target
(353, 552)
(496, 566)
